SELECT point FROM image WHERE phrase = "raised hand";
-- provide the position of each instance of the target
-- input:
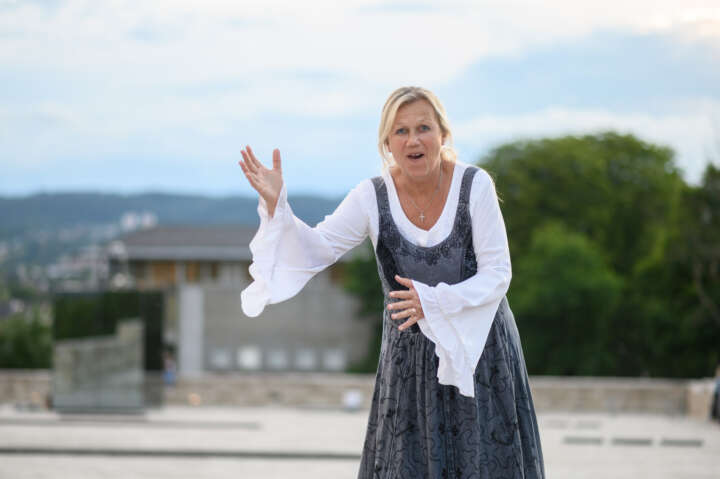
(267, 183)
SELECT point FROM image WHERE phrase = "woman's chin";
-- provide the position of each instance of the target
(416, 166)
(422, 170)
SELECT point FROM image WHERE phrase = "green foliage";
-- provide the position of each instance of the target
(628, 263)
(24, 292)
(675, 301)
(361, 279)
(688, 277)
(616, 189)
(567, 295)
(25, 342)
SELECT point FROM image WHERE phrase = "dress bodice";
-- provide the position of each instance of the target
(450, 261)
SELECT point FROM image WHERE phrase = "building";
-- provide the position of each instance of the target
(168, 256)
(203, 269)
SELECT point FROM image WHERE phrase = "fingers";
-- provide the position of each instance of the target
(401, 305)
(408, 323)
(414, 313)
(245, 166)
(250, 175)
(410, 305)
(403, 293)
(404, 314)
(254, 165)
(254, 160)
(248, 162)
(277, 164)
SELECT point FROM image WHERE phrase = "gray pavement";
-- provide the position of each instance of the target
(269, 442)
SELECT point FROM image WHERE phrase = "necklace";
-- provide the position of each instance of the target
(422, 210)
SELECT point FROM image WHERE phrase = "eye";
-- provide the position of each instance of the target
(400, 131)
(424, 128)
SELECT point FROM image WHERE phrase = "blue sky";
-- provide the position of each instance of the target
(161, 95)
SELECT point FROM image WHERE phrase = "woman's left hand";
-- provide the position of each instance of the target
(410, 304)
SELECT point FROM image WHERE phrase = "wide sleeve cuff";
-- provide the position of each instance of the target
(287, 253)
(454, 367)
(263, 248)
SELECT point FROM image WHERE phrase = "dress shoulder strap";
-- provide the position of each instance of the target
(465, 187)
(383, 203)
(378, 182)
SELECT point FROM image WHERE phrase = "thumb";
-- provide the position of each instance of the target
(277, 163)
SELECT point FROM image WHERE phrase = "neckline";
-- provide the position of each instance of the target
(453, 193)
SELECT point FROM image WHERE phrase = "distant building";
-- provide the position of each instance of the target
(166, 256)
(202, 269)
(84, 270)
(84, 265)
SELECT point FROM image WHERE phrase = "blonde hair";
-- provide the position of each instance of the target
(403, 96)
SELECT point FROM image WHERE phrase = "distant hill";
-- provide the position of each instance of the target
(55, 210)
(37, 229)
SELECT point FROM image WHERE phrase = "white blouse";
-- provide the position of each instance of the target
(287, 253)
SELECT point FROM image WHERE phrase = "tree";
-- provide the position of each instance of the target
(616, 189)
(563, 294)
(25, 342)
(361, 279)
(687, 331)
(627, 198)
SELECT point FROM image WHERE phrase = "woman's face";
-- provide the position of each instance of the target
(415, 139)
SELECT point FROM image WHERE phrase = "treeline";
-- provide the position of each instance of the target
(616, 259)
(51, 212)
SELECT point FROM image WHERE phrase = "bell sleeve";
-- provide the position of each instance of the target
(458, 317)
(286, 252)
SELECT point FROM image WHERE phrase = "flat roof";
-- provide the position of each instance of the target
(188, 242)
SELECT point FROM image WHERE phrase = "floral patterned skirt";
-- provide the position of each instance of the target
(419, 428)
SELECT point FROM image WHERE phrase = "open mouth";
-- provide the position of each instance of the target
(416, 156)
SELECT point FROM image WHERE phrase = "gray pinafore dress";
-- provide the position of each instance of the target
(419, 428)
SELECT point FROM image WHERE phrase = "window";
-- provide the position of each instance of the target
(305, 359)
(334, 360)
(249, 358)
(277, 359)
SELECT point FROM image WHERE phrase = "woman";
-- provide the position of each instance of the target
(451, 392)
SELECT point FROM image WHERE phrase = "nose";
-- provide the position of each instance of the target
(413, 139)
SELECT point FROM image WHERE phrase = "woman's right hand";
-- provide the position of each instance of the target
(267, 183)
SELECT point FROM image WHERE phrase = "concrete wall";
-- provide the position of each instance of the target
(100, 372)
(27, 387)
(663, 396)
(614, 395)
(317, 330)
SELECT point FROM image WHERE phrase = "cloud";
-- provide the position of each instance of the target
(692, 131)
(171, 81)
(383, 43)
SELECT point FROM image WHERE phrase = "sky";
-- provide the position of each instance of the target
(161, 95)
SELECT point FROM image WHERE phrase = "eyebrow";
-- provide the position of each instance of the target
(421, 120)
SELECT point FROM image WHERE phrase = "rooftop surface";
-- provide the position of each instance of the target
(270, 442)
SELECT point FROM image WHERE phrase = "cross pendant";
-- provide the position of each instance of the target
(422, 217)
